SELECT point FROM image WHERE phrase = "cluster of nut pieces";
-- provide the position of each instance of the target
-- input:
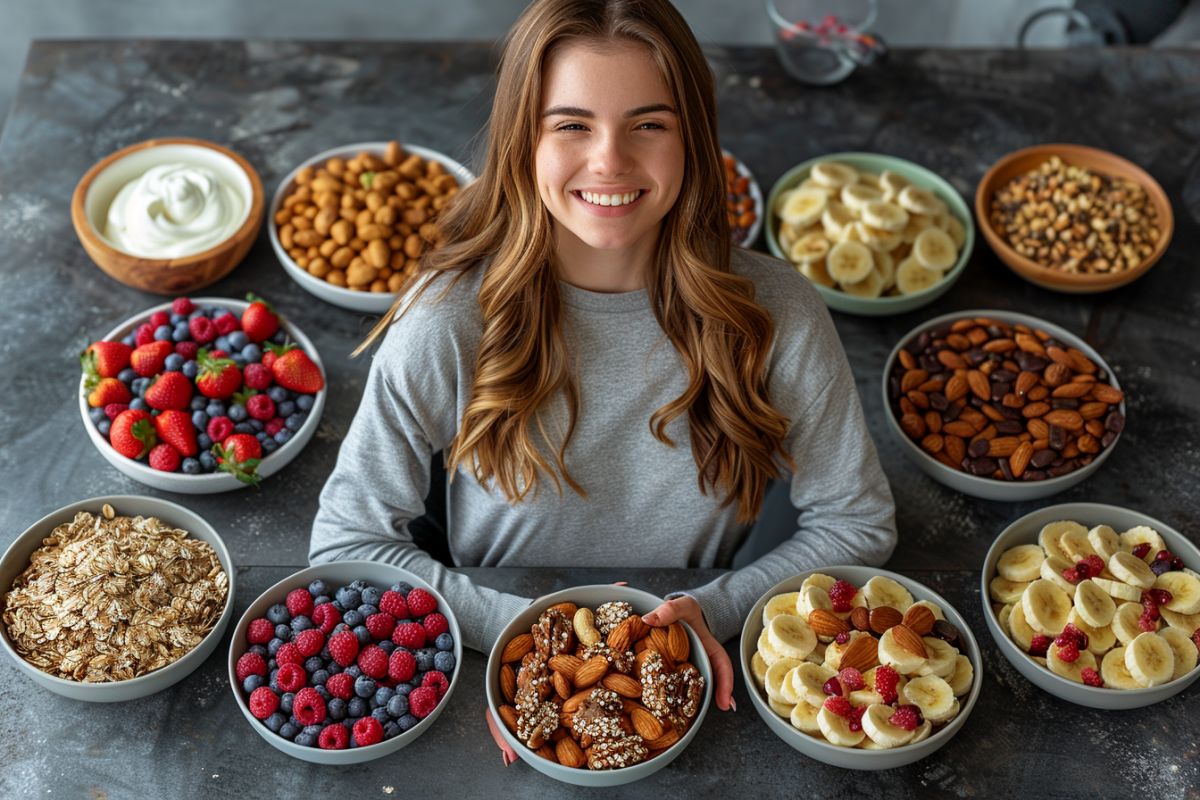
(860, 667)
(363, 223)
(1004, 401)
(601, 689)
(740, 208)
(1074, 220)
(109, 598)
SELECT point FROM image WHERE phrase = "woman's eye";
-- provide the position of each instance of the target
(571, 126)
(652, 126)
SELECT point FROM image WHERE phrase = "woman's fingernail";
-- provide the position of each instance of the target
(732, 704)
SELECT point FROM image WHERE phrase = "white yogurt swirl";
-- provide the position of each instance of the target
(173, 210)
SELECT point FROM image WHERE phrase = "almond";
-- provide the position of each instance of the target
(669, 737)
(678, 646)
(907, 638)
(568, 753)
(884, 617)
(862, 653)
(956, 388)
(1025, 381)
(1019, 460)
(508, 683)
(546, 752)
(568, 665)
(825, 623)
(1064, 418)
(979, 384)
(628, 632)
(517, 647)
(658, 639)
(568, 609)
(645, 724)
(1072, 390)
(1107, 394)
(575, 701)
(508, 715)
(912, 379)
(562, 684)
(591, 671)
(919, 619)
(622, 685)
(860, 618)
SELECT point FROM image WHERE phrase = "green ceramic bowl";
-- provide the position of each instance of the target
(877, 163)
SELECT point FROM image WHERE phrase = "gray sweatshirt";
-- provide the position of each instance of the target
(643, 506)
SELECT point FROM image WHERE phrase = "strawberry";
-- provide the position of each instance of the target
(148, 359)
(296, 371)
(164, 457)
(132, 433)
(171, 390)
(218, 377)
(176, 429)
(259, 320)
(104, 360)
(274, 351)
(239, 455)
(108, 390)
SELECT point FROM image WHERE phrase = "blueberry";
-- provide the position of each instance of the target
(349, 597)
(296, 421)
(236, 358)
(243, 427)
(353, 671)
(283, 632)
(257, 649)
(215, 408)
(190, 466)
(332, 667)
(237, 412)
(382, 715)
(321, 690)
(138, 404)
(269, 445)
(177, 318)
(357, 707)
(277, 394)
(444, 662)
(403, 689)
(424, 658)
(138, 386)
(127, 376)
(104, 426)
(305, 739)
(257, 424)
(320, 600)
(406, 722)
(364, 635)
(382, 696)
(283, 436)
(238, 340)
(274, 682)
(305, 402)
(364, 686)
(198, 403)
(154, 412)
(289, 730)
(207, 460)
(319, 676)
(371, 594)
(261, 436)
(387, 646)
(312, 664)
(204, 441)
(199, 312)
(173, 363)
(336, 709)
(286, 700)
(222, 343)
(338, 604)
(130, 340)
(285, 409)
(366, 609)
(279, 614)
(444, 641)
(251, 683)
(216, 313)
(162, 333)
(275, 722)
(190, 369)
(341, 626)
(402, 587)
(353, 618)
(199, 420)
(301, 623)
(274, 645)
(252, 353)
(180, 333)
(397, 705)
(96, 414)
(279, 337)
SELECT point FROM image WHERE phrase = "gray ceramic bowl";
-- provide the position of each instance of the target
(756, 195)
(16, 559)
(852, 757)
(592, 596)
(339, 573)
(990, 488)
(1025, 531)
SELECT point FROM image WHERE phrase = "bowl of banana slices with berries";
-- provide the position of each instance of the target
(1096, 604)
(876, 235)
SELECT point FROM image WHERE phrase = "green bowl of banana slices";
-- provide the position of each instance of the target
(875, 234)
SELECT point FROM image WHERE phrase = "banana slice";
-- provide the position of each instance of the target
(856, 196)
(922, 732)
(1002, 617)
(1019, 628)
(1070, 670)
(808, 248)
(804, 207)
(1184, 589)
(1100, 640)
(1119, 590)
(933, 607)
(885, 265)
(1052, 570)
(1094, 605)
(1143, 534)
(786, 691)
(934, 248)
(1128, 568)
(869, 179)
(767, 650)
(869, 287)
(835, 219)
(1125, 622)
(1150, 660)
(791, 637)
(836, 730)
(876, 725)
(820, 580)
(780, 201)
(964, 674)
(1076, 545)
(807, 682)
(787, 236)
(913, 277)
(1104, 541)
(1114, 672)
(1046, 607)
(883, 591)
(759, 667)
(892, 184)
(941, 660)
(954, 227)
(1184, 622)
(933, 696)
(817, 656)
(804, 718)
(1021, 564)
(884, 216)
(890, 652)
(780, 708)
(834, 174)
(919, 201)
(1050, 537)
(1184, 650)
(849, 262)
(816, 273)
(877, 239)
(916, 224)
(1002, 590)
(775, 675)
(812, 598)
(781, 604)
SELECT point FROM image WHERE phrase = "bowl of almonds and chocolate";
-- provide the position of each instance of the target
(1001, 405)
(114, 598)
(589, 694)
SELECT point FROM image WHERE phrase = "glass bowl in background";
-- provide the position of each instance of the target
(809, 55)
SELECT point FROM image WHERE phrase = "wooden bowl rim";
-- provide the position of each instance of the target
(93, 239)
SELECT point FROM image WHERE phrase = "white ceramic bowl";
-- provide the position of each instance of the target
(1025, 531)
(592, 596)
(853, 757)
(974, 485)
(336, 574)
(16, 560)
(214, 481)
(755, 194)
(363, 302)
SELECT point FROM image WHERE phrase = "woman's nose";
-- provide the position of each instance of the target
(610, 156)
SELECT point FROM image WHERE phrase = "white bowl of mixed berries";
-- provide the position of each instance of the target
(202, 395)
(345, 662)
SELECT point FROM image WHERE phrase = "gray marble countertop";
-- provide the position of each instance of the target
(279, 102)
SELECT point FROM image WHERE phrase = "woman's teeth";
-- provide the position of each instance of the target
(610, 199)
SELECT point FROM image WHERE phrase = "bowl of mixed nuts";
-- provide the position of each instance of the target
(1072, 218)
(114, 598)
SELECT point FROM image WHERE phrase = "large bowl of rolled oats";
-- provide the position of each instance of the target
(114, 598)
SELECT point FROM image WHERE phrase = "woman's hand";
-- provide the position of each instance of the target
(686, 609)
(507, 753)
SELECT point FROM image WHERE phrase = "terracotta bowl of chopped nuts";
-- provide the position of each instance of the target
(354, 241)
(129, 548)
(1074, 219)
(622, 713)
(1001, 405)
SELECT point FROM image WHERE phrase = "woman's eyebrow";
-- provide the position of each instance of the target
(575, 111)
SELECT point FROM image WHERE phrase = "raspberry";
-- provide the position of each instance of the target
(263, 702)
(839, 705)
(1091, 677)
(260, 631)
(159, 318)
(340, 685)
(309, 642)
(435, 625)
(1161, 596)
(410, 635)
(1177, 563)
(832, 687)
(113, 410)
(144, 334)
(420, 603)
(856, 716)
(182, 305)
(291, 677)
(381, 625)
(1068, 652)
(393, 603)
(1083, 571)
(1073, 635)
(1095, 564)
(343, 647)
(1196, 638)
(842, 594)
(1142, 549)
(262, 408)
(289, 654)
(249, 664)
(1039, 646)
(187, 349)
(326, 617)
(1163, 555)
(851, 679)
(367, 731)
(373, 662)
(299, 601)
(256, 376)
(906, 717)
(335, 736)
(1149, 609)
(1147, 623)
(401, 666)
(309, 706)
(226, 324)
(437, 680)
(422, 701)
(219, 428)
(165, 458)
(202, 330)
(274, 426)
(886, 679)
(1071, 576)
(842, 637)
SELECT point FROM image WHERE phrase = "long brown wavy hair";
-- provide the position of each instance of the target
(499, 223)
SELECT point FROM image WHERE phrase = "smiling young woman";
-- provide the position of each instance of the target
(581, 319)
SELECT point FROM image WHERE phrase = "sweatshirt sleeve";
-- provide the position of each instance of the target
(408, 412)
(845, 509)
